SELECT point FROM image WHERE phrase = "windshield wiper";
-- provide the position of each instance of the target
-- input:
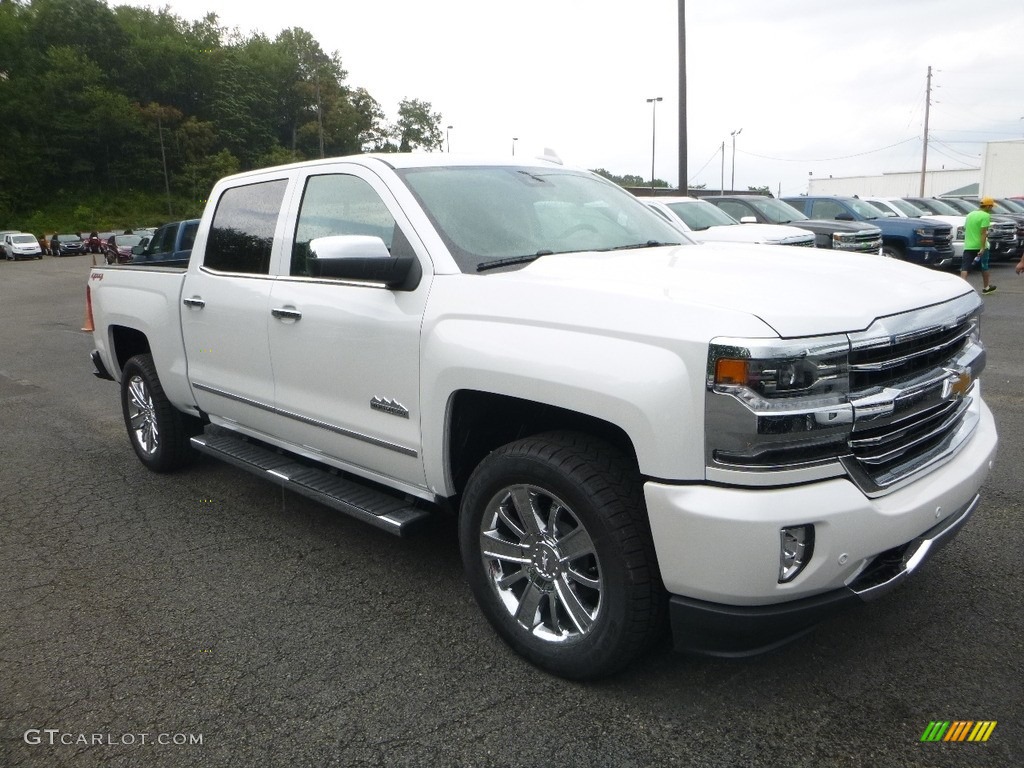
(509, 261)
(648, 244)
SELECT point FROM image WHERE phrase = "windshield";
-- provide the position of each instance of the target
(24, 239)
(881, 208)
(907, 209)
(69, 238)
(866, 209)
(488, 215)
(962, 206)
(777, 211)
(1002, 206)
(127, 241)
(699, 214)
(937, 207)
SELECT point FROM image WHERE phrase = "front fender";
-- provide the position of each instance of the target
(644, 388)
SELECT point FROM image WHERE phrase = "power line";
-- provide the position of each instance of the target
(829, 159)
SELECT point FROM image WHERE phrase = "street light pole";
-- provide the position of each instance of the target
(654, 113)
(732, 181)
(447, 140)
(514, 140)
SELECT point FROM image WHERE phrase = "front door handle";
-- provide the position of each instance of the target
(284, 313)
(197, 303)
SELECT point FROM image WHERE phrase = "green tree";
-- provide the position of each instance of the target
(417, 127)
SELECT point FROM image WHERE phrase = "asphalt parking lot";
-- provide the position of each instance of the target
(208, 618)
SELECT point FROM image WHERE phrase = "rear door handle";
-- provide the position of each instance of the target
(283, 313)
(197, 303)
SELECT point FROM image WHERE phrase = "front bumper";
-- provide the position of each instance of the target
(718, 547)
(727, 630)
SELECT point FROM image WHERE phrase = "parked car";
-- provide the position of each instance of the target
(68, 245)
(908, 210)
(21, 245)
(118, 248)
(837, 235)
(1002, 234)
(930, 245)
(706, 223)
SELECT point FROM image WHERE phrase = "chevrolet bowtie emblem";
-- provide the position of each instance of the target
(956, 384)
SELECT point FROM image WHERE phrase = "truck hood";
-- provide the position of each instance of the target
(751, 233)
(796, 291)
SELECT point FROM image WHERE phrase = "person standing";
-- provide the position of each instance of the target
(976, 243)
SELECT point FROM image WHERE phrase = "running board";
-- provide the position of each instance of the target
(390, 513)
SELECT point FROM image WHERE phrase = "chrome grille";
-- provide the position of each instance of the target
(911, 391)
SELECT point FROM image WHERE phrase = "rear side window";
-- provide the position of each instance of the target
(242, 234)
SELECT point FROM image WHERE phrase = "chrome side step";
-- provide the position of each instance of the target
(390, 513)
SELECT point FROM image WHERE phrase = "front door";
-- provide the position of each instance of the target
(346, 354)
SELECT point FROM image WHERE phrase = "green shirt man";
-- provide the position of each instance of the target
(975, 242)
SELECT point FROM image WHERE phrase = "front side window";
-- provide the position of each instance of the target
(339, 204)
(242, 233)
(495, 216)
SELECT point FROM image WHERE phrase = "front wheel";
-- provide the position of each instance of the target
(892, 252)
(558, 553)
(158, 431)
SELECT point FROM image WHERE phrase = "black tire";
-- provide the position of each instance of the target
(586, 581)
(157, 430)
(892, 251)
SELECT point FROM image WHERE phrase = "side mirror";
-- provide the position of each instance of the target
(844, 217)
(138, 249)
(359, 257)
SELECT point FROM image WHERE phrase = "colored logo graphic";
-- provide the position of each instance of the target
(958, 730)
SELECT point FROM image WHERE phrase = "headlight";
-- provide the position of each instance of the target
(812, 368)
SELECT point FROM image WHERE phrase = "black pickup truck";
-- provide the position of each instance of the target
(828, 233)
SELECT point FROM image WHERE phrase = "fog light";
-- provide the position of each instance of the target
(796, 545)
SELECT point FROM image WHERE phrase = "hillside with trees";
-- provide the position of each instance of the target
(113, 117)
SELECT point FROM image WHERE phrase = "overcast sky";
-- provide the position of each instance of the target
(822, 88)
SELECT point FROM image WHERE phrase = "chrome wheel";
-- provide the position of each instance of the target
(541, 563)
(142, 416)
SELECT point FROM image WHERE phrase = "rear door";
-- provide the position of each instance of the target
(225, 307)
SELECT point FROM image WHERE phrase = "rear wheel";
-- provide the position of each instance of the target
(558, 553)
(158, 431)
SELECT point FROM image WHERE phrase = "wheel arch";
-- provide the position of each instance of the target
(126, 343)
(479, 422)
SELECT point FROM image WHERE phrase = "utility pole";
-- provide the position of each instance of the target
(734, 134)
(721, 184)
(654, 120)
(924, 154)
(684, 185)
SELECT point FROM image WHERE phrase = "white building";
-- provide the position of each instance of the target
(1001, 175)
(900, 184)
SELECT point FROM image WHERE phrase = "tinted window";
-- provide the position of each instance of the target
(339, 205)
(736, 210)
(242, 234)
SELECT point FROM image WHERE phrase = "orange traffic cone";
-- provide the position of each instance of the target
(87, 324)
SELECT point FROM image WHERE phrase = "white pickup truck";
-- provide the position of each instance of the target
(630, 428)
